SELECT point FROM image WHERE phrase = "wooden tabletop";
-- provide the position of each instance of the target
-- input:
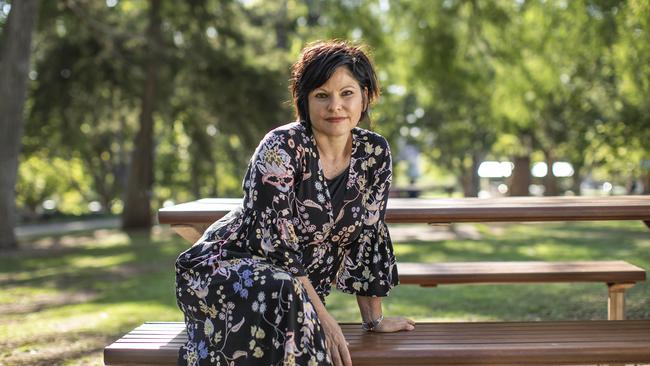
(440, 211)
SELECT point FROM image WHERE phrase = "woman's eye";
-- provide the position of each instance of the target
(320, 95)
(347, 92)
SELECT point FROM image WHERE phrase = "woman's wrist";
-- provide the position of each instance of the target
(370, 308)
(372, 324)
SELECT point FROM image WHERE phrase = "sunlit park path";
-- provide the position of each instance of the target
(65, 297)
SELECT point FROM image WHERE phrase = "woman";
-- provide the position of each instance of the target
(253, 287)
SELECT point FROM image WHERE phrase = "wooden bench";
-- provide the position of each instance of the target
(509, 343)
(617, 275)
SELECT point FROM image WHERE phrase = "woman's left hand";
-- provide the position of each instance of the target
(394, 324)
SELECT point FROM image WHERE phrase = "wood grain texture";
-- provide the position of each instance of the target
(508, 343)
(430, 274)
(410, 210)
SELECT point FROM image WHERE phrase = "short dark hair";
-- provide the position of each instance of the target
(317, 63)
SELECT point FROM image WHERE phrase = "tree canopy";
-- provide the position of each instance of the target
(467, 81)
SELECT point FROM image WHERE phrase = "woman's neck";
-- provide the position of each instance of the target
(334, 153)
(333, 148)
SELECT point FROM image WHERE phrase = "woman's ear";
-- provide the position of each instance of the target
(365, 99)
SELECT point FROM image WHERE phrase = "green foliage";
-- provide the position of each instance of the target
(4, 6)
(213, 91)
(464, 80)
(63, 181)
(37, 181)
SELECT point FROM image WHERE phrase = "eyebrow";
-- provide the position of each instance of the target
(346, 86)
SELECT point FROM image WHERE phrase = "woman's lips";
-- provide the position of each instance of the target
(335, 119)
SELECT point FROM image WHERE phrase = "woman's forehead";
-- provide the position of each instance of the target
(341, 78)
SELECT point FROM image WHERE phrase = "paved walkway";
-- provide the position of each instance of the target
(56, 228)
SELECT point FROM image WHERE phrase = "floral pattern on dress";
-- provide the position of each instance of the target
(237, 286)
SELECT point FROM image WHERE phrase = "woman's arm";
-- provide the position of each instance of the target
(370, 308)
(336, 344)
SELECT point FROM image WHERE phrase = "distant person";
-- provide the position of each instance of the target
(253, 287)
(411, 154)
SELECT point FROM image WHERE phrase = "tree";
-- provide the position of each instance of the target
(137, 202)
(15, 51)
(448, 50)
(556, 87)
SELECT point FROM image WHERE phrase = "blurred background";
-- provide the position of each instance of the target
(132, 105)
(112, 109)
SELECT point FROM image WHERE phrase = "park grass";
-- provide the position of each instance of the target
(64, 298)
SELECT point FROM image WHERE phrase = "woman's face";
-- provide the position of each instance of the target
(335, 107)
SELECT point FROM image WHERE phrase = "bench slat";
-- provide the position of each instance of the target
(439, 343)
(430, 274)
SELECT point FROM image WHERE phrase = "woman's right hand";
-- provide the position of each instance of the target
(335, 340)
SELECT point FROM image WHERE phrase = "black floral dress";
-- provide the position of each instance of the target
(237, 285)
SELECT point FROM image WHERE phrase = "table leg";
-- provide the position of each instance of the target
(616, 300)
(191, 233)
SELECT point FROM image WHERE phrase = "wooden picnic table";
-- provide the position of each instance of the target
(192, 218)
(582, 342)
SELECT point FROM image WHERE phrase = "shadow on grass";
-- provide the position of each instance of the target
(134, 268)
(118, 268)
(551, 242)
(50, 349)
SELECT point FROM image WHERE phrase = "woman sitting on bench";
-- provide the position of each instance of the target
(253, 287)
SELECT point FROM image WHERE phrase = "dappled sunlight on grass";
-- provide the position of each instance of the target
(65, 298)
(413, 252)
(69, 296)
(475, 247)
(546, 250)
(47, 269)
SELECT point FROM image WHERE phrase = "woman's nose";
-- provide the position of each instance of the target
(334, 104)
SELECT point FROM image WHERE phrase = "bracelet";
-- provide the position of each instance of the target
(371, 325)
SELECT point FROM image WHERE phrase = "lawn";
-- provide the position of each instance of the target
(64, 298)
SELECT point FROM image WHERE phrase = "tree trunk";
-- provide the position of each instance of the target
(282, 27)
(520, 176)
(137, 202)
(477, 159)
(195, 177)
(469, 177)
(577, 180)
(550, 180)
(465, 181)
(313, 12)
(15, 50)
(471, 180)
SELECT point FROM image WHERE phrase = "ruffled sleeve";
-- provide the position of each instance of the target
(269, 195)
(369, 267)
